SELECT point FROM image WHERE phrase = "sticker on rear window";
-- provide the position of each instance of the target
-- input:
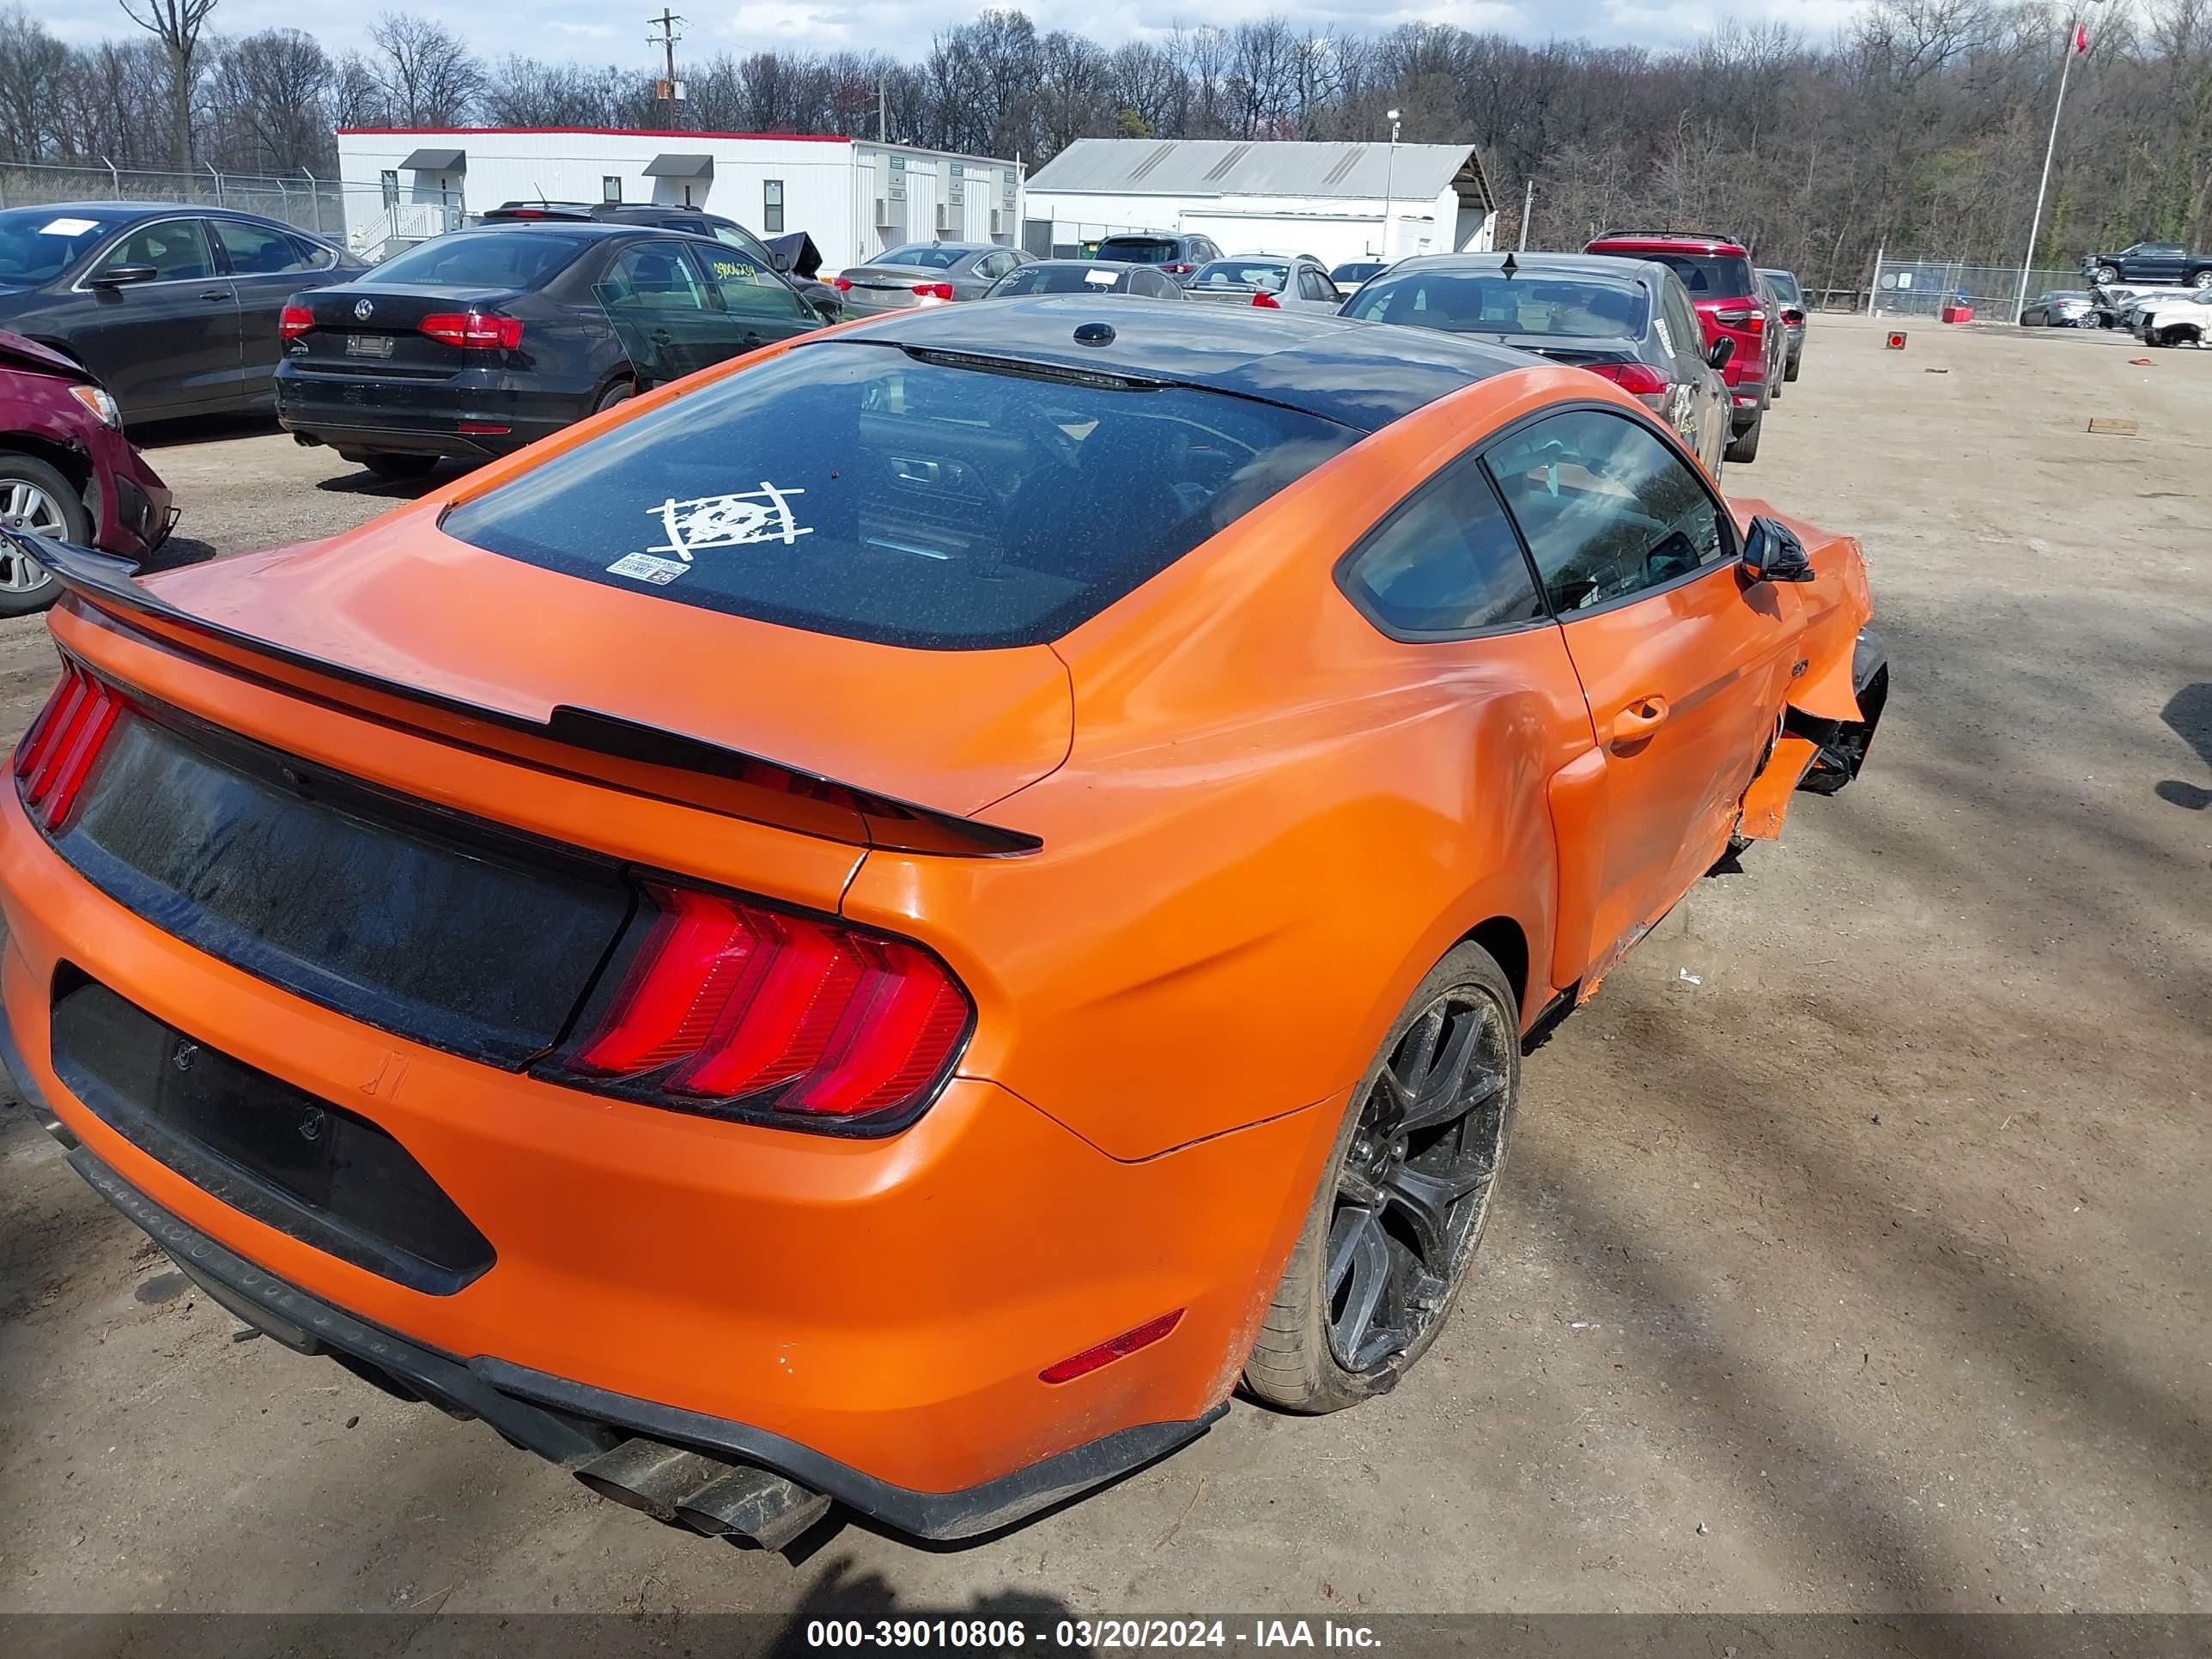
(741, 519)
(1665, 338)
(1103, 278)
(646, 569)
(68, 227)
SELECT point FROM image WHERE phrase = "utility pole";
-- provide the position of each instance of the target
(670, 91)
(883, 112)
(1389, 184)
(1528, 207)
(2077, 43)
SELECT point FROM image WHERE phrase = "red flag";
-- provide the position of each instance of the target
(2081, 38)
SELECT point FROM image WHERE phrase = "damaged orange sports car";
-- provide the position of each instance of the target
(888, 922)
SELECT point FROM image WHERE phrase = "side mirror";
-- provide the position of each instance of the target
(1724, 351)
(1772, 553)
(122, 275)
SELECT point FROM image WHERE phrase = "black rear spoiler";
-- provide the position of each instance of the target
(104, 582)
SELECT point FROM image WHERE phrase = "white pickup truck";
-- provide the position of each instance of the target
(2183, 320)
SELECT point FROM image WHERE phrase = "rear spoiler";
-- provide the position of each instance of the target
(103, 582)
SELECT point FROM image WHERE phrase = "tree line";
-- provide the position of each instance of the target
(1920, 127)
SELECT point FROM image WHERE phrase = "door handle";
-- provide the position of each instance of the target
(216, 294)
(1639, 719)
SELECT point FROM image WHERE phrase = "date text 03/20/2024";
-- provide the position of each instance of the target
(1085, 1634)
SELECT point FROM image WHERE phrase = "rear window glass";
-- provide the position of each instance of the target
(1056, 279)
(1485, 304)
(496, 258)
(1242, 273)
(922, 253)
(1707, 276)
(860, 490)
(1138, 250)
(1784, 284)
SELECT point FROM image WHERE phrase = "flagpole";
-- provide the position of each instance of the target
(2050, 149)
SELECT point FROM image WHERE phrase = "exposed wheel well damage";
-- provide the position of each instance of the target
(1509, 947)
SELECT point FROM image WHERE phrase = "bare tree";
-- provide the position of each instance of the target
(31, 65)
(269, 95)
(176, 24)
(430, 78)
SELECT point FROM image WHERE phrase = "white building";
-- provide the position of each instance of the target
(854, 197)
(1336, 201)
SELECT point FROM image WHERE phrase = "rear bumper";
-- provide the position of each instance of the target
(868, 1317)
(425, 417)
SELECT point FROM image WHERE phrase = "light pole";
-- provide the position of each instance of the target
(1389, 181)
(2077, 42)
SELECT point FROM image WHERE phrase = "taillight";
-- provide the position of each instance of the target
(1179, 271)
(56, 754)
(1119, 1348)
(1792, 316)
(843, 284)
(733, 1008)
(934, 291)
(473, 330)
(1741, 317)
(1266, 302)
(1640, 379)
(294, 321)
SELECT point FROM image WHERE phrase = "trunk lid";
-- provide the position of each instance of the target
(400, 603)
(389, 340)
(894, 276)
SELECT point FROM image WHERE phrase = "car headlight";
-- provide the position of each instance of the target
(96, 400)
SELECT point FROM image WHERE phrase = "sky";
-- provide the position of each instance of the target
(581, 29)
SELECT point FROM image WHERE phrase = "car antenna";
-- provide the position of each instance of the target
(1510, 264)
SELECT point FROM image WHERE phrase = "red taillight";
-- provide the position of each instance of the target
(1179, 271)
(473, 330)
(1640, 379)
(294, 321)
(843, 284)
(56, 754)
(934, 291)
(1743, 317)
(1119, 1348)
(1266, 302)
(731, 1006)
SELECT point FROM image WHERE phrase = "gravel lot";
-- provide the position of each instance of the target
(1853, 1256)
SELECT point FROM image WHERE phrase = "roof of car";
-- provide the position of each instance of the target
(1618, 267)
(1364, 375)
(127, 210)
(1684, 242)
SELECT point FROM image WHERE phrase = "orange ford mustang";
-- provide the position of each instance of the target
(888, 922)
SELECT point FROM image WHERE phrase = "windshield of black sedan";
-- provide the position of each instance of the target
(485, 258)
(38, 243)
(910, 499)
(1460, 302)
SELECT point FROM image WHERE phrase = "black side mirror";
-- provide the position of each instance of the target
(1722, 353)
(122, 275)
(1772, 553)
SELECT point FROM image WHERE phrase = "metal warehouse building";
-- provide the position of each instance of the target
(854, 197)
(1336, 201)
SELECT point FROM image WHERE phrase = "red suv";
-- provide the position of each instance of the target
(1717, 271)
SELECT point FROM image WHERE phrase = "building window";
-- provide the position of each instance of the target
(772, 207)
(687, 196)
(610, 187)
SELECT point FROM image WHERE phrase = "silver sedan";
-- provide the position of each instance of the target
(925, 274)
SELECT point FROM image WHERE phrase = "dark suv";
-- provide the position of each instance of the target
(1716, 269)
(1177, 254)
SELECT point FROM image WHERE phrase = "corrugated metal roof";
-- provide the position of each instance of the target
(1229, 167)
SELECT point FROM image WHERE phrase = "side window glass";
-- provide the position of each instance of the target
(748, 287)
(176, 248)
(1607, 508)
(255, 251)
(1447, 562)
(654, 276)
(1682, 318)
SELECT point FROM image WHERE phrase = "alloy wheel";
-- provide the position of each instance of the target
(24, 506)
(1416, 1178)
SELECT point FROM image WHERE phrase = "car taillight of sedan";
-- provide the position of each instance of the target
(934, 291)
(473, 330)
(1640, 380)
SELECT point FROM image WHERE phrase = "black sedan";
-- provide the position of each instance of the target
(1629, 321)
(1085, 276)
(481, 341)
(173, 308)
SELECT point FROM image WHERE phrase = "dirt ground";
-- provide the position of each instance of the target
(1853, 1256)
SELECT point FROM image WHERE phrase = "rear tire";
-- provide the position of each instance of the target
(1743, 448)
(620, 392)
(1401, 1212)
(1790, 372)
(395, 469)
(34, 496)
(2107, 275)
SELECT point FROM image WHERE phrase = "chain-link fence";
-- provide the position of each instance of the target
(1926, 288)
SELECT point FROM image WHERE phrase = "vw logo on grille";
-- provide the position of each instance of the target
(361, 308)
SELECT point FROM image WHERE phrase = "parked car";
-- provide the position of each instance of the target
(1085, 276)
(1629, 322)
(1784, 284)
(1177, 253)
(1716, 269)
(793, 255)
(1272, 281)
(2060, 309)
(925, 274)
(1352, 273)
(67, 472)
(2187, 320)
(2150, 262)
(1777, 334)
(812, 934)
(480, 341)
(173, 309)
(2114, 305)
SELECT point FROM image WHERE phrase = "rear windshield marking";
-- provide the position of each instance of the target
(646, 569)
(740, 519)
(68, 227)
(1103, 278)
